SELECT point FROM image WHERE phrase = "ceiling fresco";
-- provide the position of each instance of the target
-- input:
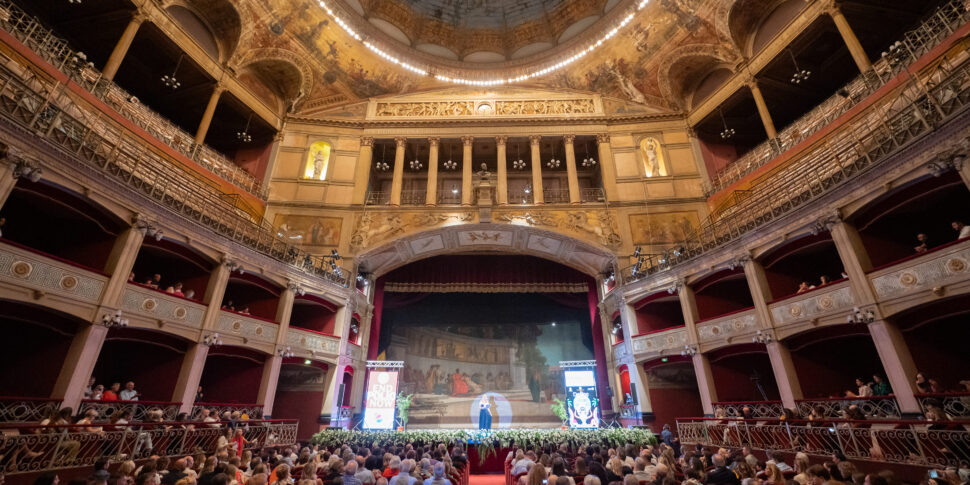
(625, 70)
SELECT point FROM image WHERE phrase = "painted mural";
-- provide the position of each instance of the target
(310, 232)
(662, 227)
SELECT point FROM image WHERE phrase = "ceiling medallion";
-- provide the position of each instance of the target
(464, 79)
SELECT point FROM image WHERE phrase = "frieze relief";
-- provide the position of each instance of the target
(596, 225)
(247, 328)
(660, 342)
(310, 342)
(162, 306)
(924, 274)
(373, 228)
(485, 108)
(39, 273)
(813, 306)
(729, 327)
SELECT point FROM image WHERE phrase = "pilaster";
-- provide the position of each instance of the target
(607, 166)
(397, 181)
(362, 172)
(571, 174)
(537, 195)
(466, 170)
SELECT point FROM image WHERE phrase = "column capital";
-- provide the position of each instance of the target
(467, 140)
(535, 139)
(501, 140)
(434, 140)
(367, 141)
(826, 222)
(568, 139)
(401, 141)
(603, 138)
(220, 87)
(831, 7)
(140, 16)
(752, 83)
(740, 261)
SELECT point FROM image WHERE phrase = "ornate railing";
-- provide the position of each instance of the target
(520, 197)
(915, 43)
(72, 63)
(378, 198)
(592, 195)
(27, 409)
(30, 448)
(128, 160)
(759, 409)
(873, 407)
(555, 196)
(217, 410)
(140, 410)
(956, 405)
(917, 107)
(900, 442)
(414, 197)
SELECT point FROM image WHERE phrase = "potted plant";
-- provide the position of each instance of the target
(403, 405)
(559, 409)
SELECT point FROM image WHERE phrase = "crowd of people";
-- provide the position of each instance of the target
(669, 464)
(963, 231)
(154, 281)
(97, 392)
(232, 464)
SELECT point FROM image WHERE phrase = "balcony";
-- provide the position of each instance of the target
(314, 343)
(727, 329)
(664, 342)
(247, 327)
(157, 305)
(71, 63)
(22, 267)
(813, 304)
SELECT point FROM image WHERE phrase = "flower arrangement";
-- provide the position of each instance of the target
(488, 442)
(559, 409)
(403, 405)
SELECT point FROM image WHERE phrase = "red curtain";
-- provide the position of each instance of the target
(602, 376)
(375, 322)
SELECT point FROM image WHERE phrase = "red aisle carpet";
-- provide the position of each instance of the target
(486, 480)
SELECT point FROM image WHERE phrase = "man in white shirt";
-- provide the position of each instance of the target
(404, 476)
(208, 418)
(962, 229)
(129, 393)
(439, 476)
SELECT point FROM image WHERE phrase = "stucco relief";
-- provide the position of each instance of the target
(248, 328)
(596, 225)
(298, 339)
(373, 228)
(819, 303)
(161, 306)
(36, 272)
(728, 327)
(657, 343)
(923, 273)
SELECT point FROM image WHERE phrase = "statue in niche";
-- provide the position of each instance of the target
(651, 157)
(318, 162)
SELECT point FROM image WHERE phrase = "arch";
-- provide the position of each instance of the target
(197, 28)
(736, 21)
(683, 68)
(220, 17)
(582, 256)
(270, 61)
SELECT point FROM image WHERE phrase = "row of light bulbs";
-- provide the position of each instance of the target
(485, 82)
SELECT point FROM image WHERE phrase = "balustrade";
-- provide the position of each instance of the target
(956, 405)
(759, 409)
(34, 448)
(26, 409)
(218, 410)
(29, 31)
(916, 108)
(140, 410)
(901, 442)
(556, 196)
(102, 147)
(875, 407)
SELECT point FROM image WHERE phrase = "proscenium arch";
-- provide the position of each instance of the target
(589, 259)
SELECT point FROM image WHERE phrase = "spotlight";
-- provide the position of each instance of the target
(860, 316)
(553, 324)
(762, 338)
(689, 351)
(114, 320)
(285, 352)
(454, 189)
(210, 340)
(636, 252)
(306, 361)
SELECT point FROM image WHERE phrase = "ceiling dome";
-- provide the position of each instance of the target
(484, 33)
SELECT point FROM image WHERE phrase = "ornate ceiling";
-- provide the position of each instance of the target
(641, 70)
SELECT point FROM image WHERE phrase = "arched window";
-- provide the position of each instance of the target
(318, 158)
(653, 158)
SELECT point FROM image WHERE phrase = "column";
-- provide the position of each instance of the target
(431, 194)
(274, 152)
(848, 36)
(702, 366)
(537, 196)
(502, 188)
(214, 294)
(267, 383)
(362, 174)
(607, 168)
(759, 100)
(7, 179)
(357, 389)
(466, 170)
(898, 364)
(331, 383)
(189, 376)
(695, 147)
(397, 181)
(855, 259)
(79, 364)
(628, 317)
(210, 111)
(571, 175)
(638, 375)
(789, 387)
(121, 48)
(119, 265)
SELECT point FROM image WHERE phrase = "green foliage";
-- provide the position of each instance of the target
(559, 409)
(403, 407)
(488, 442)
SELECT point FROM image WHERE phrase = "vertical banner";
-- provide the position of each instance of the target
(381, 399)
(582, 402)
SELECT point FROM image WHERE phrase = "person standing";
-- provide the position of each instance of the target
(484, 416)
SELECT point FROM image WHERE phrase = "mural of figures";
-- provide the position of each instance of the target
(449, 370)
(662, 227)
(309, 231)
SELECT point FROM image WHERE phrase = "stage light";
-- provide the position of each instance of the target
(306, 362)
(553, 324)
(664, 359)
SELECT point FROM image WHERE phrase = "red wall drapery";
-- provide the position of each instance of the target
(602, 375)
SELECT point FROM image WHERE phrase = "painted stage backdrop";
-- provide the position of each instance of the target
(449, 368)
